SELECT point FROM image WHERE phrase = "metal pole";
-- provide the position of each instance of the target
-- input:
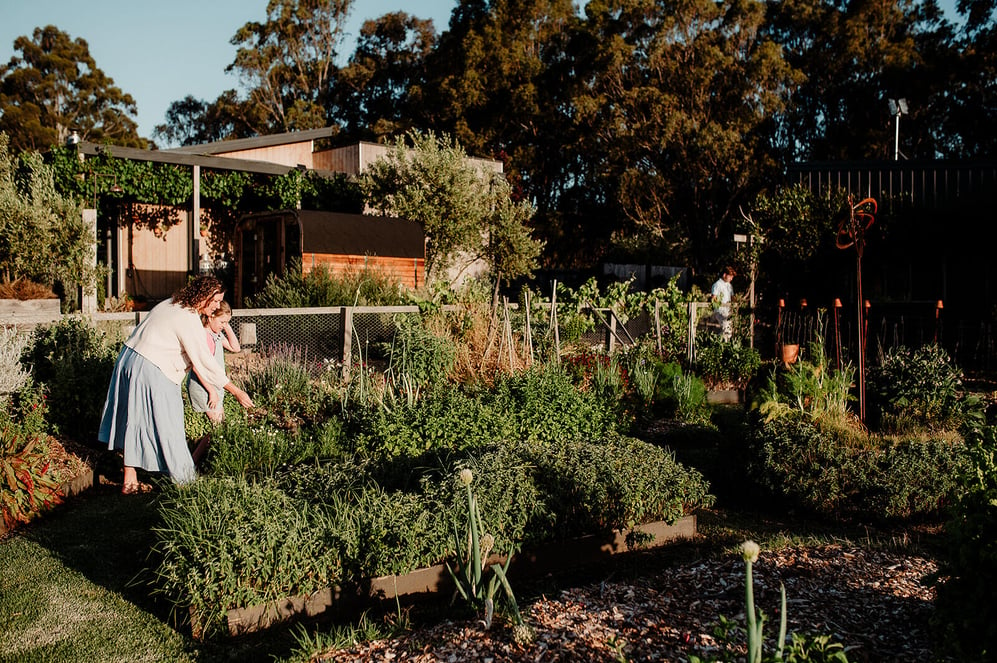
(896, 140)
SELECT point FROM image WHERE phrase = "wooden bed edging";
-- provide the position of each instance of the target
(436, 579)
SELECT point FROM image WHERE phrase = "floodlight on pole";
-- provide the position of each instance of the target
(898, 107)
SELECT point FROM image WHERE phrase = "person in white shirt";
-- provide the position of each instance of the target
(143, 412)
(723, 293)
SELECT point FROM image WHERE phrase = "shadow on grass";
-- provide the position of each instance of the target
(107, 537)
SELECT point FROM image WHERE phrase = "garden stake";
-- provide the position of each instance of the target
(851, 232)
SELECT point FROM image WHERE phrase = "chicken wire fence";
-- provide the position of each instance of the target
(359, 334)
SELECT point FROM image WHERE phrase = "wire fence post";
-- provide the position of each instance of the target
(347, 336)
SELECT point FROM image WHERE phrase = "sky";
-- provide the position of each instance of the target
(160, 51)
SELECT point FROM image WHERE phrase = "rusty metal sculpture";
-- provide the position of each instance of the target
(851, 232)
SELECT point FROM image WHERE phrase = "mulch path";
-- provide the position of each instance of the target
(876, 603)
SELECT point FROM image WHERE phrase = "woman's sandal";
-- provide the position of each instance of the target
(130, 489)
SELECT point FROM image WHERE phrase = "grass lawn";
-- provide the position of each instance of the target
(71, 590)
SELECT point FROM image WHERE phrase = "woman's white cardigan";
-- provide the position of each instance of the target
(173, 338)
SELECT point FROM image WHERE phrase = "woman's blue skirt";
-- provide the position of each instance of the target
(143, 417)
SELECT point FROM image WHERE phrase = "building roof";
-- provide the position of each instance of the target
(272, 140)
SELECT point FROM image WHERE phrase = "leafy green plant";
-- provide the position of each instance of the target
(28, 482)
(966, 617)
(286, 388)
(841, 471)
(725, 364)
(419, 354)
(917, 389)
(810, 388)
(321, 287)
(225, 543)
(819, 649)
(72, 361)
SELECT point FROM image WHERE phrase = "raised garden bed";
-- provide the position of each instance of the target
(436, 579)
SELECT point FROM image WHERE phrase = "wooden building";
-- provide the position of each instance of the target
(151, 264)
(267, 243)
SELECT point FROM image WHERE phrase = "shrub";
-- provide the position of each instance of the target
(966, 615)
(72, 361)
(28, 481)
(916, 389)
(616, 483)
(423, 356)
(542, 404)
(13, 375)
(725, 364)
(229, 542)
(226, 543)
(320, 287)
(838, 471)
(286, 390)
(446, 418)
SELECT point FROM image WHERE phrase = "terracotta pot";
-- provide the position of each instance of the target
(790, 353)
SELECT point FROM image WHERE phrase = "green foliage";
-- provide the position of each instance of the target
(466, 210)
(285, 388)
(73, 362)
(358, 518)
(917, 389)
(725, 364)
(966, 615)
(54, 85)
(616, 483)
(419, 354)
(320, 287)
(224, 543)
(28, 483)
(810, 388)
(42, 234)
(842, 472)
(544, 405)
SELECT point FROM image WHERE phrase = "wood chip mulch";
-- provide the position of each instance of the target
(876, 603)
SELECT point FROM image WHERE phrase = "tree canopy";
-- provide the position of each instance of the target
(53, 87)
(466, 209)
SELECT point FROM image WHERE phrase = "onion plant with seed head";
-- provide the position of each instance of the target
(472, 560)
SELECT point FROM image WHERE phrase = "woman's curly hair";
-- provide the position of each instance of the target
(197, 290)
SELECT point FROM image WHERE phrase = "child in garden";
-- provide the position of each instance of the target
(220, 337)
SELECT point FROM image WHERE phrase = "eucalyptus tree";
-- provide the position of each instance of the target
(287, 62)
(379, 92)
(55, 86)
(856, 55)
(504, 86)
(676, 118)
(970, 93)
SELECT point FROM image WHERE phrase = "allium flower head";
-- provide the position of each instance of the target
(466, 477)
(749, 550)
